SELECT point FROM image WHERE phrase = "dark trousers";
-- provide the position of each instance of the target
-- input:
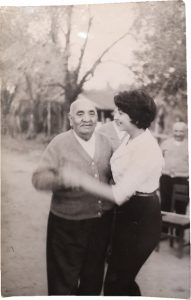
(136, 233)
(166, 193)
(166, 190)
(76, 254)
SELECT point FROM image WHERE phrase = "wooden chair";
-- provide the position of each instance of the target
(177, 222)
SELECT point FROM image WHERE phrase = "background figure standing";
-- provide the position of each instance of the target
(79, 224)
(176, 169)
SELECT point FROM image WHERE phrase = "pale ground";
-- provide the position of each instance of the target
(24, 219)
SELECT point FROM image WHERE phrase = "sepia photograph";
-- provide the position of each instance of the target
(94, 150)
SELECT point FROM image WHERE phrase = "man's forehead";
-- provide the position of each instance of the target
(82, 105)
(179, 126)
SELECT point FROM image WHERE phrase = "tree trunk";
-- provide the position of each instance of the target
(66, 124)
(49, 118)
(31, 134)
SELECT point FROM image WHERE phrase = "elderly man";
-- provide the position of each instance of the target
(175, 151)
(79, 223)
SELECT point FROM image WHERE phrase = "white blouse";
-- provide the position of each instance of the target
(136, 166)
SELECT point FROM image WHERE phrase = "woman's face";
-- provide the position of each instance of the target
(123, 120)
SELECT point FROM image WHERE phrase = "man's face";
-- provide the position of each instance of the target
(179, 132)
(83, 119)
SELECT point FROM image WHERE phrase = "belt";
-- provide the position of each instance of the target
(140, 194)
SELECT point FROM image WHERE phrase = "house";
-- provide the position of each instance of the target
(103, 100)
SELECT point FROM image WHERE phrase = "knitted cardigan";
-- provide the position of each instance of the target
(71, 203)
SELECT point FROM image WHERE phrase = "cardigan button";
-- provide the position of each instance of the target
(99, 213)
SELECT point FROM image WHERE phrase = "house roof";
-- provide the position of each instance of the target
(103, 99)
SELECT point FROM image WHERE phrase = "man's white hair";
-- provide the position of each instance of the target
(79, 101)
(181, 125)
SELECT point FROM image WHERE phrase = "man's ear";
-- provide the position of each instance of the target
(70, 120)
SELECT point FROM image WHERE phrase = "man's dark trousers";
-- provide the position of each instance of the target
(76, 252)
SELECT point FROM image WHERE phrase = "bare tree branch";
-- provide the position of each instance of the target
(54, 13)
(67, 46)
(91, 71)
(64, 32)
(83, 49)
(53, 30)
(56, 84)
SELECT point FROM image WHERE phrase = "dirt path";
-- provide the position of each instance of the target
(24, 219)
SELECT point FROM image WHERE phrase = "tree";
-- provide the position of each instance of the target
(9, 88)
(72, 83)
(161, 60)
(39, 61)
(26, 63)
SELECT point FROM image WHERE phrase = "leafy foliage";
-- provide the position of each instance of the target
(42, 60)
(161, 60)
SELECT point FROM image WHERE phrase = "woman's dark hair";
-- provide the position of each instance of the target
(139, 106)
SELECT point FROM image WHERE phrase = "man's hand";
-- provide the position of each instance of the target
(71, 176)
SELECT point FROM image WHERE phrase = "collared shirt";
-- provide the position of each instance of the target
(136, 166)
(89, 146)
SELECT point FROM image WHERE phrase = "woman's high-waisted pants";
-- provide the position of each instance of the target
(136, 233)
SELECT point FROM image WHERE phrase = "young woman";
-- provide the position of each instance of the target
(136, 166)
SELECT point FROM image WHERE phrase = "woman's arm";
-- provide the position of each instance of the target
(98, 188)
(72, 177)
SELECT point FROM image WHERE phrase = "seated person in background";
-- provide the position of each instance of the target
(175, 171)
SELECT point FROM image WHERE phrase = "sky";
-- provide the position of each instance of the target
(110, 21)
